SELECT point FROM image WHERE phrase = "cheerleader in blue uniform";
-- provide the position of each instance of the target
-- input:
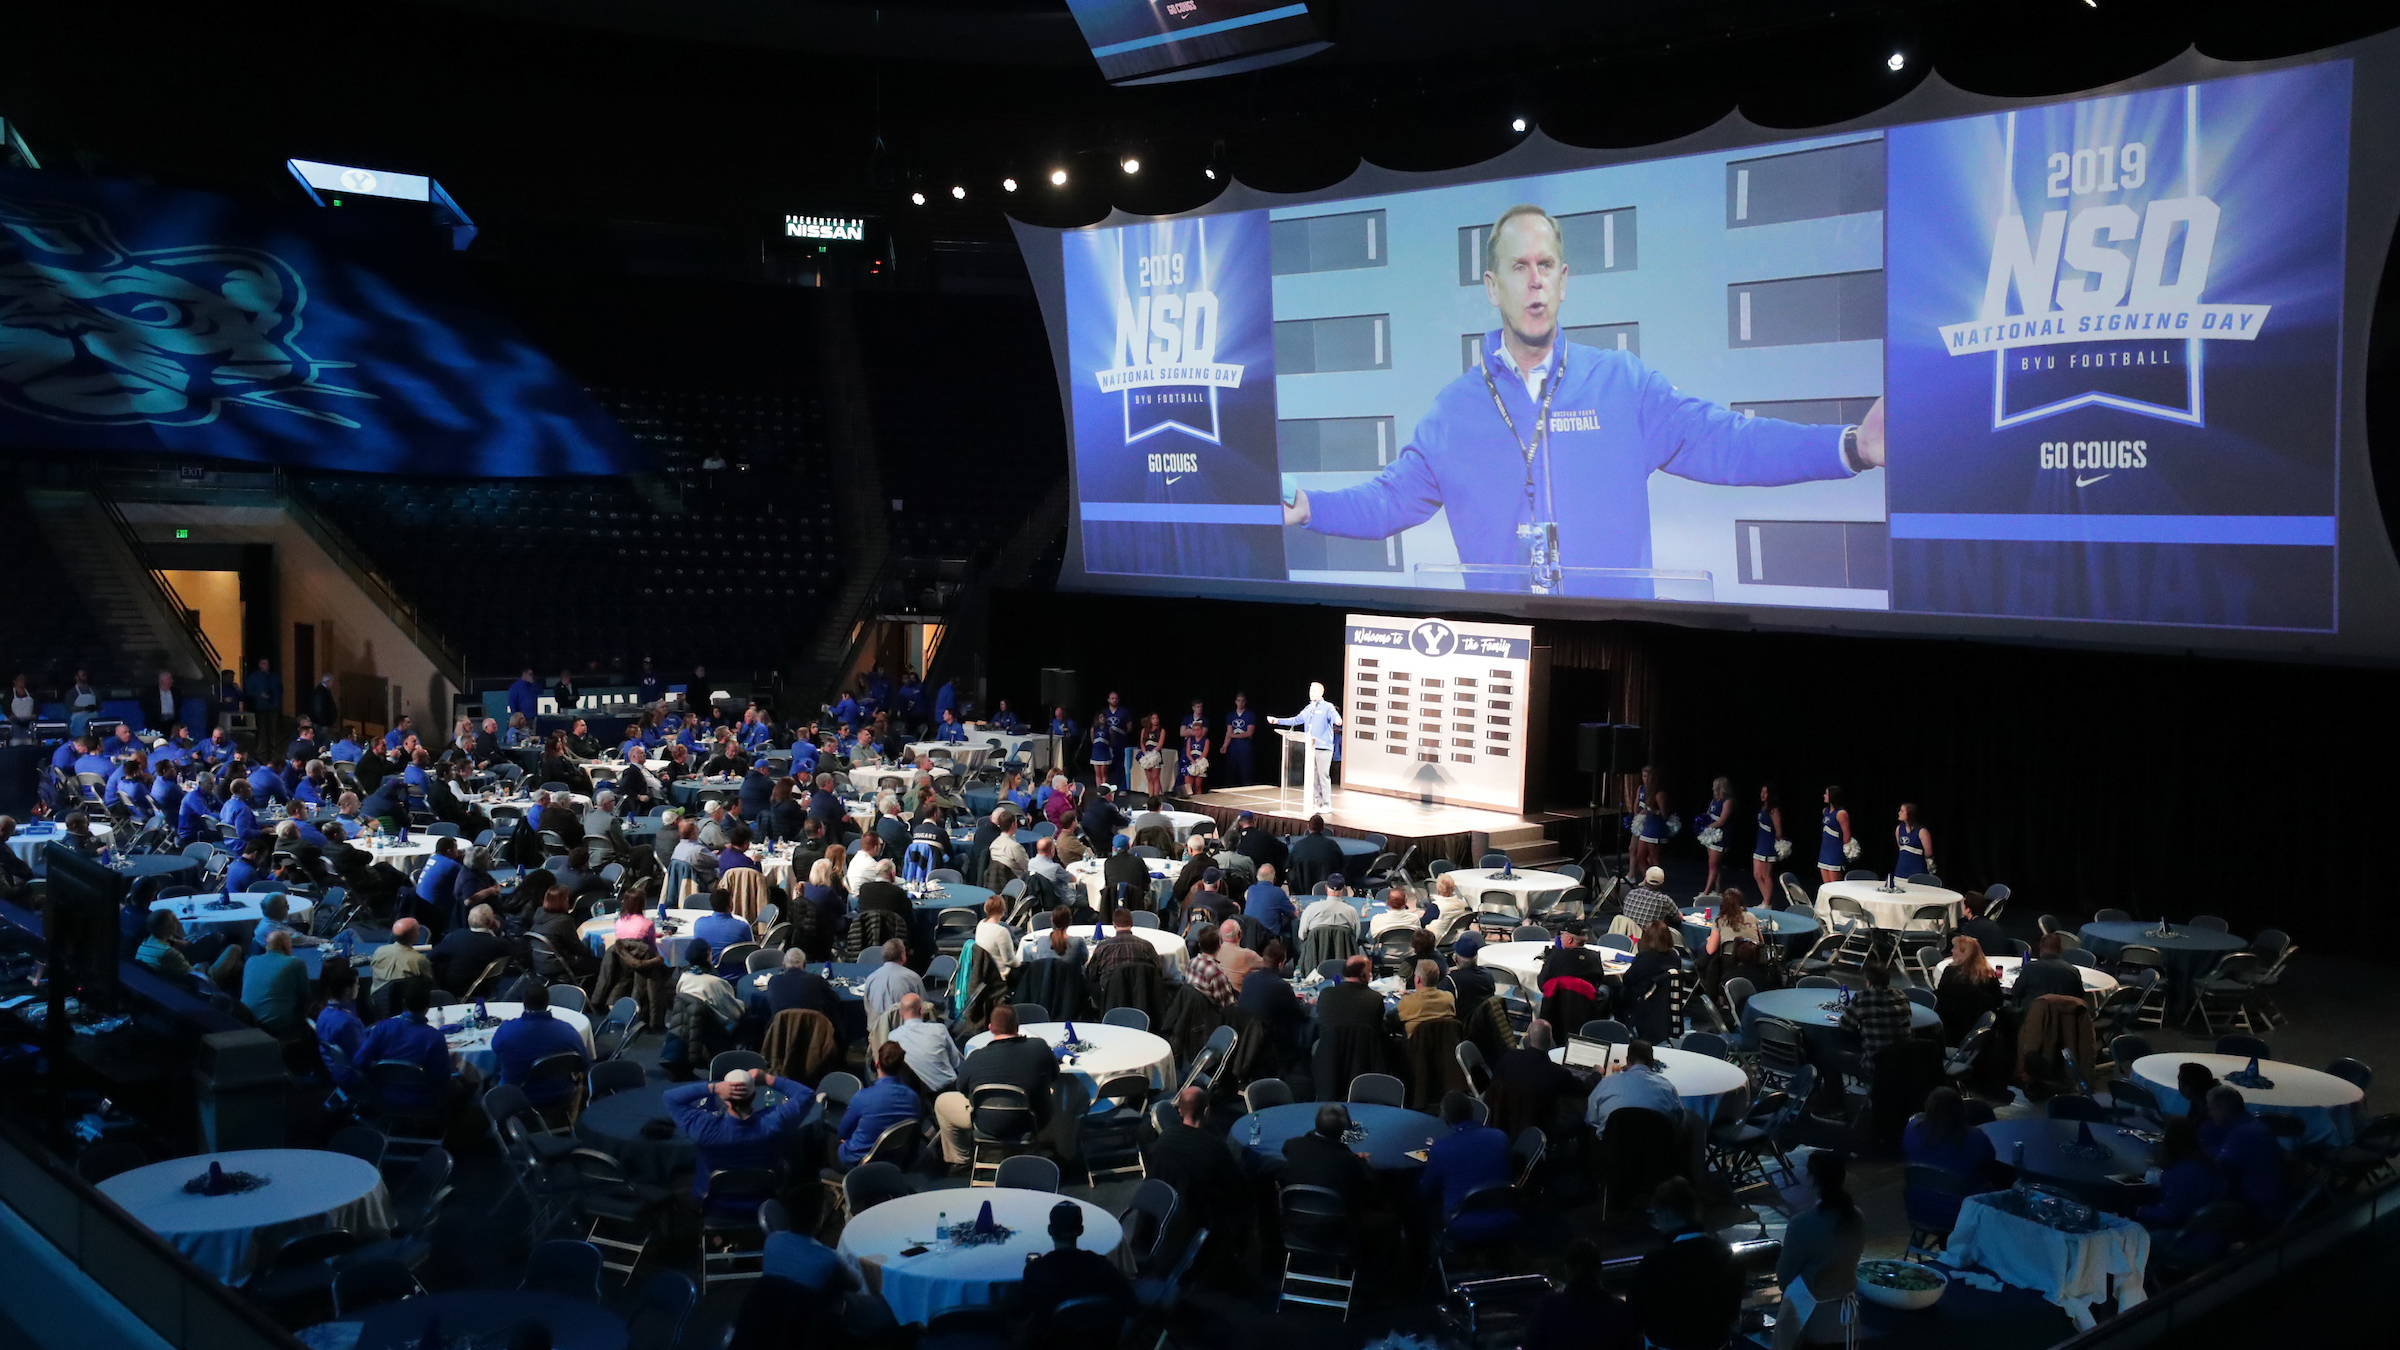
(1769, 847)
(1195, 751)
(1834, 845)
(1649, 813)
(1711, 822)
(1916, 845)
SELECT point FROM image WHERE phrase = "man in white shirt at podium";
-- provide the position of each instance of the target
(1320, 720)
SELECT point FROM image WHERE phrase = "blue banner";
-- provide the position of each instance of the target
(2113, 349)
(134, 318)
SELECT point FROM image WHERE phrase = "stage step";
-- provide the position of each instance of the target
(1526, 845)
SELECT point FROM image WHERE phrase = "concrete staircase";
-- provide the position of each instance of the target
(116, 587)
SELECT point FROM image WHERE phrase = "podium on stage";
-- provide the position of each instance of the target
(1295, 745)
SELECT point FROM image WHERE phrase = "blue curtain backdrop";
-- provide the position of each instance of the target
(136, 318)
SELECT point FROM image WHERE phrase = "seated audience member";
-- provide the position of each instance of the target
(932, 1055)
(531, 1037)
(1969, 988)
(996, 938)
(1468, 1159)
(165, 949)
(890, 1100)
(1007, 1058)
(1322, 1157)
(413, 1038)
(729, 1133)
(1200, 1168)
(464, 954)
(1529, 1084)
(1940, 1137)
(1640, 1083)
(1987, 932)
(2246, 1152)
(399, 958)
(889, 982)
(1207, 975)
(2188, 1180)
(796, 985)
(1058, 944)
(1067, 1272)
(721, 928)
(1582, 1315)
(1428, 1001)
(1821, 1248)
(1687, 1294)
(2048, 973)
(340, 1031)
(697, 1031)
(275, 987)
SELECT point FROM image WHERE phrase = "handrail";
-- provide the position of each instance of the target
(183, 1304)
(347, 556)
(177, 611)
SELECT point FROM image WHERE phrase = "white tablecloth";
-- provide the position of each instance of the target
(2321, 1101)
(967, 754)
(2072, 1270)
(603, 768)
(1162, 879)
(233, 1237)
(2094, 981)
(582, 803)
(1035, 747)
(1889, 910)
(409, 857)
(29, 838)
(776, 864)
(604, 930)
(1701, 1080)
(917, 1288)
(196, 914)
(871, 779)
(1527, 884)
(473, 1049)
(1187, 821)
(1115, 1050)
(1524, 960)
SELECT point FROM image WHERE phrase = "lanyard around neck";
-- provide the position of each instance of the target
(1541, 423)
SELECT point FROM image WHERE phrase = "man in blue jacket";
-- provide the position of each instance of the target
(524, 697)
(526, 1040)
(1470, 1158)
(1548, 438)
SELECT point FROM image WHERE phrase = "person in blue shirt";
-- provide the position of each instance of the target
(414, 1039)
(736, 1136)
(950, 731)
(68, 751)
(346, 750)
(533, 1036)
(1270, 904)
(1544, 431)
(721, 927)
(1002, 719)
(890, 1100)
(166, 793)
(878, 686)
(804, 752)
(195, 811)
(945, 700)
(263, 689)
(399, 734)
(755, 731)
(174, 750)
(249, 867)
(341, 1035)
(1468, 1159)
(1940, 1137)
(1322, 721)
(1012, 791)
(525, 696)
(266, 785)
(217, 749)
(238, 812)
(90, 760)
(122, 747)
(275, 987)
(2188, 1179)
(2247, 1154)
(437, 885)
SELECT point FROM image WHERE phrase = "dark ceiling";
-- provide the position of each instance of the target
(716, 114)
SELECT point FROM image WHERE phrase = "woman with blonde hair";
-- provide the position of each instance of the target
(1968, 988)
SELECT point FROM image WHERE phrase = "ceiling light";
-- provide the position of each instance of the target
(958, 192)
(1212, 174)
(1008, 185)
(917, 197)
(1132, 165)
(1518, 125)
(1897, 61)
(1058, 178)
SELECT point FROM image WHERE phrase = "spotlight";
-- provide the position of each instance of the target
(1058, 178)
(958, 192)
(1210, 173)
(1896, 61)
(1008, 185)
(917, 197)
(1517, 126)
(1132, 165)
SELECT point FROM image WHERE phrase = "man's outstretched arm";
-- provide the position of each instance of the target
(1404, 494)
(1711, 443)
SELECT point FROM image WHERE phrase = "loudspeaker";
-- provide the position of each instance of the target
(1058, 691)
(1593, 746)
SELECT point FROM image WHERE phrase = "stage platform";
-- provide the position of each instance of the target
(1460, 833)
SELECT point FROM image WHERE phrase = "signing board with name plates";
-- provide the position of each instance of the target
(1437, 710)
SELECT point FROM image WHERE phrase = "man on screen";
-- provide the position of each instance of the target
(1548, 438)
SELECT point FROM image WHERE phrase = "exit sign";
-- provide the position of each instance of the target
(183, 534)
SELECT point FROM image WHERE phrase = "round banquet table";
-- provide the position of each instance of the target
(2190, 952)
(2094, 981)
(1701, 1080)
(1392, 1133)
(1808, 1009)
(235, 1236)
(525, 803)
(1115, 1050)
(2321, 1101)
(967, 754)
(943, 895)
(850, 1015)
(1794, 930)
(1527, 885)
(1087, 875)
(1187, 821)
(918, 1288)
(30, 837)
(870, 779)
(613, 1125)
(1524, 960)
(1889, 909)
(602, 931)
(686, 791)
(600, 769)
(2043, 1138)
(473, 1049)
(1034, 747)
(1173, 955)
(242, 917)
(407, 857)
(487, 1315)
(775, 863)
(153, 872)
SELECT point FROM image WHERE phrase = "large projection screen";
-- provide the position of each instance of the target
(2086, 370)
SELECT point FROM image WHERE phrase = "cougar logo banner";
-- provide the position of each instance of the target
(2113, 355)
(143, 320)
(1170, 327)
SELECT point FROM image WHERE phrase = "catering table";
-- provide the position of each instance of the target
(2189, 952)
(1891, 909)
(486, 1316)
(917, 1288)
(1700, 1080)
(1796, 931)
(602, 931)
(1115, 1050)
(2095, 981)
(1526, 884)
(473, 1049)
(1392, 1133)
(2072, 1270)
(2043, 1139)
(233, 1237)
(685, 792)
(240, 920)
(2321, 1101)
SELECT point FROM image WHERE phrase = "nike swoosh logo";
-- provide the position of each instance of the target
(2080, 480)
(1179, 478)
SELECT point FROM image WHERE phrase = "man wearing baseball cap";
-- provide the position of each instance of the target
(1469, 982)
(1649, 903)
